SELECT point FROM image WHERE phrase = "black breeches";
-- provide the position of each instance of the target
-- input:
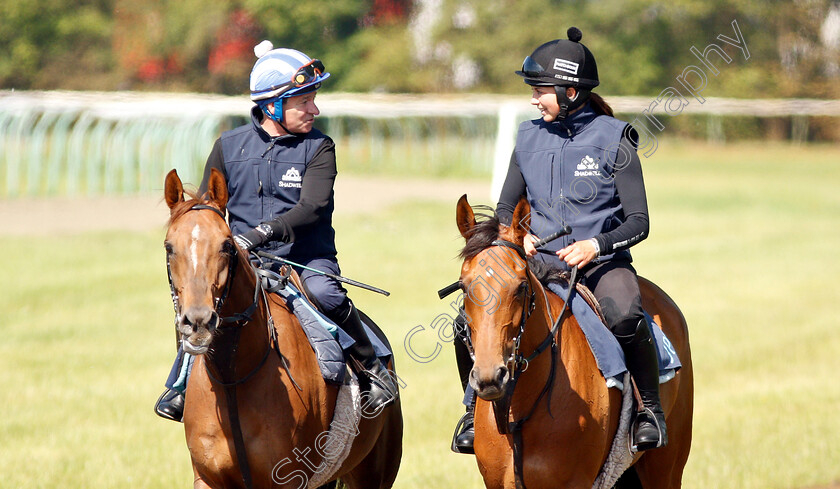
(616, 286)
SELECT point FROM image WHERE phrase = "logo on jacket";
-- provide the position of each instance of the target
(292, 178)
(587, 167)
(292, 175)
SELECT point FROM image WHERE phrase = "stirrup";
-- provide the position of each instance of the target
(660, 428)
(381, 389)
(459, 430)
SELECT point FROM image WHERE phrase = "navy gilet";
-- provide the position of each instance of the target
(568, 170)
(264, 179)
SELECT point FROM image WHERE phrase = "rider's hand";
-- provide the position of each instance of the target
(528, 244)
(253, 238)
(579, 253)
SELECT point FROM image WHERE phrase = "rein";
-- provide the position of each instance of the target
(501, 407)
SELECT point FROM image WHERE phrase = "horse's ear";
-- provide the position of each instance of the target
(217, 190)
(173, 189)
(520, 223)
(464, 216)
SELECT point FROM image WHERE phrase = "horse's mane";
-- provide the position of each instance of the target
(181, 208)
(547, 273)
(486, 230)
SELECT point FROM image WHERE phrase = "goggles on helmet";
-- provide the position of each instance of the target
(305, 75)
(532, 69)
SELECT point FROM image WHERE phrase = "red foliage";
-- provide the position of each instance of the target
(389, 11)
(151, 70)
(234, 42)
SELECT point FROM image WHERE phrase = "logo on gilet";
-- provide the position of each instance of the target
(292, 175)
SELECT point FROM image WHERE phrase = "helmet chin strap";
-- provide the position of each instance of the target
(274, 115)
(563, 102)
(566, 104)
(278, 120)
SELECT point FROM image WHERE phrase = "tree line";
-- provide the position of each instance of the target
(420, 46)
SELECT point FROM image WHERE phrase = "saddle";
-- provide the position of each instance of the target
(604, 346)
(325, 337)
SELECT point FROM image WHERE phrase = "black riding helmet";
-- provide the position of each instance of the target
(563, 63)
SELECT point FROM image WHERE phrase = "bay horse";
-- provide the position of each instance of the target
(257, 407)
(561, 419)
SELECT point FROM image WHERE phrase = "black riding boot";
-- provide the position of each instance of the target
(640, 354)
(464, 437)
(376, 381)
(170, 405)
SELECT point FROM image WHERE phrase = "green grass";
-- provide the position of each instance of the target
(743, 238)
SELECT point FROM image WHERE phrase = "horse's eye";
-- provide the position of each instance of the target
(522, 288)
(228, 248)
(168, 247)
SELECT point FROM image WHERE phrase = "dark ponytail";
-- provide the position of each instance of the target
(599, 105)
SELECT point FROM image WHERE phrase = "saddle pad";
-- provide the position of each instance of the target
(605, 347)
(619, 458)
(327, 339)
(343, 430)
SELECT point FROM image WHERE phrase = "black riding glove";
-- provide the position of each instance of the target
(253, 238)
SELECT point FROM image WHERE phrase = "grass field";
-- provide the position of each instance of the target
(743, 238)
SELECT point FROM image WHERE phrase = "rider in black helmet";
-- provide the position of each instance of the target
(576, 139)
(563, 63)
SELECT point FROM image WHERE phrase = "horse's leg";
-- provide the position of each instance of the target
(198, 482)
(662, 468)
(379, 468)
(628, 480)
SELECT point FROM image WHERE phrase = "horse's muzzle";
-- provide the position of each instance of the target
(490, 383)
(196, 326)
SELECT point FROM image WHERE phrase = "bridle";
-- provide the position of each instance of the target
(518, 363)
(517, 360)
(236, 319)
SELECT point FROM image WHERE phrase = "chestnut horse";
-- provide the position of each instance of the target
(562, 418)
(257, 407)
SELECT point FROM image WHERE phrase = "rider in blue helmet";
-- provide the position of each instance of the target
(280, 74)
(280, 173)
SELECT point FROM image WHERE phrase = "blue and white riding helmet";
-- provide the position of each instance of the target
(282, 73)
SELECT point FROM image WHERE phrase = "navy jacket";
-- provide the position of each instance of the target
(569, 170)
(266, 178)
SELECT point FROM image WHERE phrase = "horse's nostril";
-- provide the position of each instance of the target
(501, 375)
(185, 325)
